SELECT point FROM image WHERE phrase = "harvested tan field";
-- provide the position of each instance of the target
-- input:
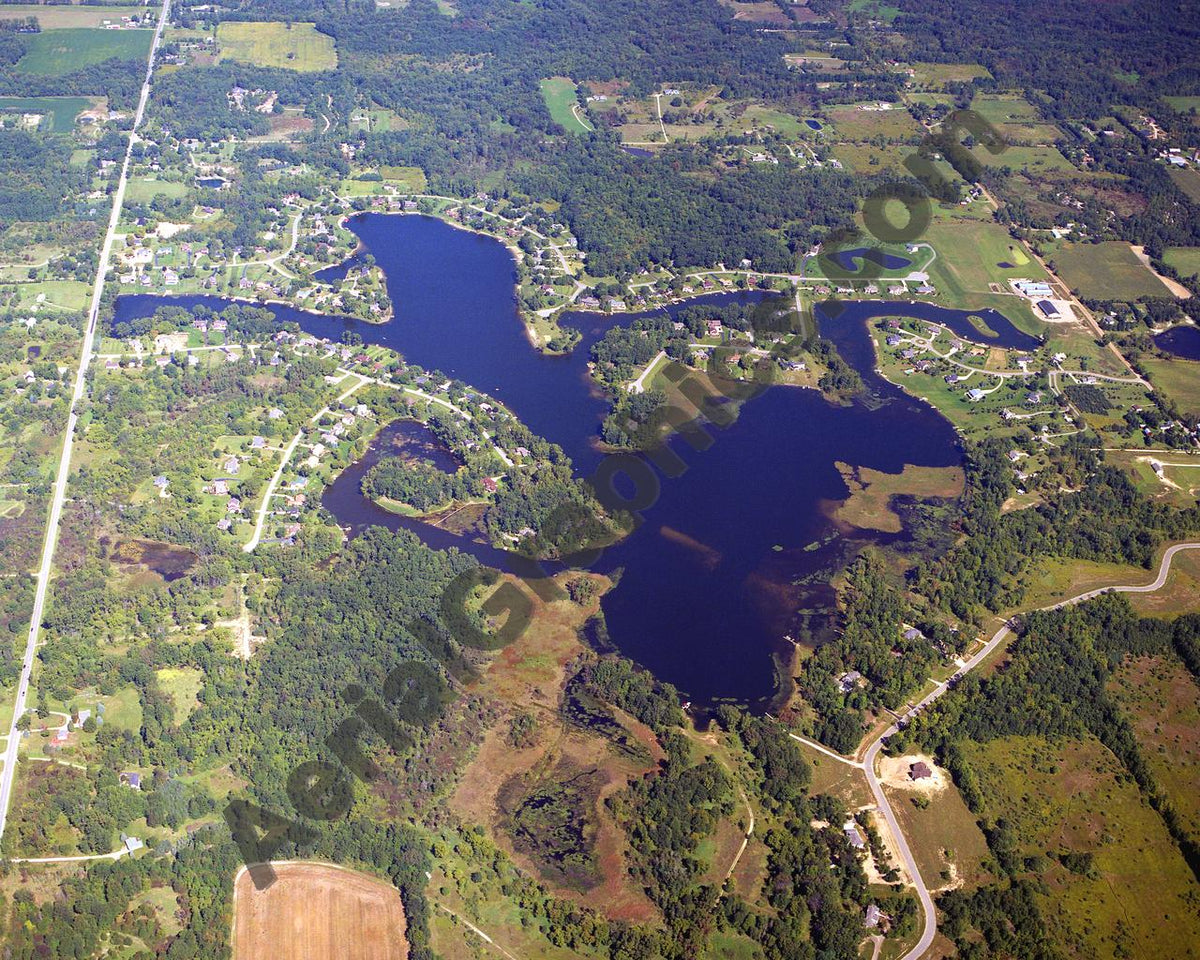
(317, 911)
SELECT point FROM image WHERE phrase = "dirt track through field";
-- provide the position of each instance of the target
(317, 911)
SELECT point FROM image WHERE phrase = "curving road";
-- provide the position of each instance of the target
(929, 928)
(64, 464)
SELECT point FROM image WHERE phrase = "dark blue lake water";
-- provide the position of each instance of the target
(813, 124)
(1183, 341)
(712, 579)
(850, 259)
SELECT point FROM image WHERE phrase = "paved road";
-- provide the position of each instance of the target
(64, 464)
(929, 928)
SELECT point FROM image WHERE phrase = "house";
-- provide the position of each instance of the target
(131, 779)
(489, 485)
(893, 341)
(233, 505)
(872, 916)
(232, 465)
(912, 633)
(848, 681)
(161, 481)
(1014, 456)
(274, 413)
(1049, 310)
(224, 523)
(220, 487)
(920, 771)
(975, 394)
(1033, 397)
(131, 844)
(258, 443)
(850, 829)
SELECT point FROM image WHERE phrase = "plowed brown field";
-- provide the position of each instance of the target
(317, 911)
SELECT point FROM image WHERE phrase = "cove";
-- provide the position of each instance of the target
(710, 581)
(1182, 341)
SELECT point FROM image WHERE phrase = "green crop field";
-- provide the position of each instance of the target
(57, 52)
(410, 179)
(1106, 271)
(1184, 259)
(291, 46)
(561, 95)
(59, 112)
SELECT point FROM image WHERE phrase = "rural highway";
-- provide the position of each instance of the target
(13, 743)
(929, 928)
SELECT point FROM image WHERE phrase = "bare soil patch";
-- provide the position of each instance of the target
(317, 911)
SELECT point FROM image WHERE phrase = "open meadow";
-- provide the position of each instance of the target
(562, 99)
(289, 46)
(1074, 797)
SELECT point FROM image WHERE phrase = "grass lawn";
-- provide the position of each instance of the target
(145, 189)
(59, 112)
(1184, 259)
(56, 294)
(291, 46)
(56, 52)
(1178, 379)
(1076, 796)
(561, 95)
(1106, 271)
(970, 258)
(1184, 104)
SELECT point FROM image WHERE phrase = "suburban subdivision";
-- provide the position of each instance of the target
(581, 479)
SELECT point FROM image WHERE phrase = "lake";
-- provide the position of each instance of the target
(711, 581)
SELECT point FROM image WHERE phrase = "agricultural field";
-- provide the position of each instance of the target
(58, 52)
(1184, 104)
(1106, 271)
(289, 46)
(1184, 259)
(58, 113)
(317, 911)
(407, 179)
(58, 17)
(1188, 180)
(1075, 797)
(562, 100)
